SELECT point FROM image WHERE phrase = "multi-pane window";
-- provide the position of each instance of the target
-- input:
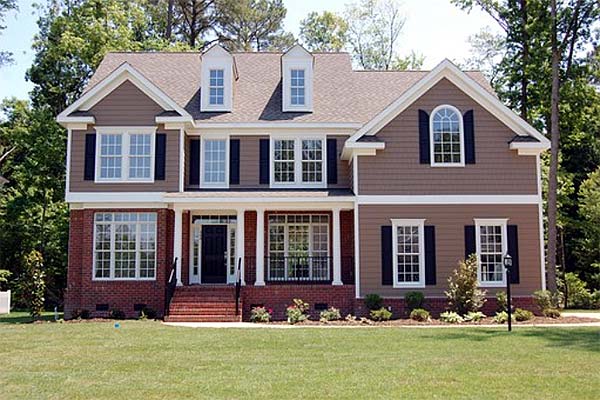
(215, 161)
(140, 155)
(297, 87)
(216, 87)
(125, 245)
(298, 161)
(124, 155)
(408, 252)
(491, 247)
(111, 154)
(446, 128)
(298, 247)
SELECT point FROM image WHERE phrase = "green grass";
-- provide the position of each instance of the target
(146, 360)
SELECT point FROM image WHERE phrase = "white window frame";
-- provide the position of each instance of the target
(503, 222)
(125, 132)
(461, 135)
(298, 87)
(298, 163)
(214, 185)
(216, 87)
(289, 65)
(112, 249)
(421, 225)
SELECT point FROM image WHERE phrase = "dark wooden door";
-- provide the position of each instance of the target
(214, 247)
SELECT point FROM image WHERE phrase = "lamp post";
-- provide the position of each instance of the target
(507, 261)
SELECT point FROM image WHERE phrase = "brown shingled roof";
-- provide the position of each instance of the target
(341, 94)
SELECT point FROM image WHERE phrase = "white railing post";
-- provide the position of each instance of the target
(240, 243)
(337, 250)
(177, 241)
(260, 248)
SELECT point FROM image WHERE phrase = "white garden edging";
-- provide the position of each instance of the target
(5, 302)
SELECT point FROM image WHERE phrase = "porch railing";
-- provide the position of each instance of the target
(298, 268)
(171, 285)
(238, 286)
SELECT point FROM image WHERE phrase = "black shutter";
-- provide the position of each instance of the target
(386, 255)
(90, 157)
(469, 130)
(332, 161)
(194, 172)
(234, 161)
(430, 278)
(470, 246)
(160, 156)
(424, 137)
(513, 250)
(264, 161)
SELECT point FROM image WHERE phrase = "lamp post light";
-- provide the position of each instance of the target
(508, 262)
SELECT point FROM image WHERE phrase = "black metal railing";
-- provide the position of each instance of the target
(171, 285)
(238, 286)
(298, 268)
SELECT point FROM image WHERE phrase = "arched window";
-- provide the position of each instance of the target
(447, 139)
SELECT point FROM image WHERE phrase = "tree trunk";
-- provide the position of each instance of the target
(555, 142)
(524, 59)
(169, 30)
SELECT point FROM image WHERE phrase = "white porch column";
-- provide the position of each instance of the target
(177, 240)
(260, 247)
(337, 250)
(240, 243)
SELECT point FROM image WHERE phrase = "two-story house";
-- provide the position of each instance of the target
(295, 176)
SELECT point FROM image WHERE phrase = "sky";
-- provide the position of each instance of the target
(434, 28)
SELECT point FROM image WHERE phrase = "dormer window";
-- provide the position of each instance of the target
(218, 71)
(297, 82)
(217, 87)
(297, 87)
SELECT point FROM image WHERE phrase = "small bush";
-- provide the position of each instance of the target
(260, 314)
(523, 315)
(148, 313)
(474, 316)
(351, 318)
(419, 314)
(297, 312)
(577, 296)
(451, 317)
(414, 300)
(502, 317)
(382, 314)
(546, 299)
(596, 300)
(551, 313)
(4, 275)
(80, 314)
(32, 283)
(331, 314)
(463, 293)
(115, 313)
(502, 300)
(373, 301)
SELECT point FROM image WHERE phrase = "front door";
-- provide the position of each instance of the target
(214, 252)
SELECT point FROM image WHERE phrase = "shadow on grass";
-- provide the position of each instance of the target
(23, 317)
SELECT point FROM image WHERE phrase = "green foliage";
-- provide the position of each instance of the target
(373, 301)
(502, 301)
(589, 213)
(4, 275)
(419, 314)
(116, 313)
(80, 314)
(551, 313)
(413, 61)
(331, 314)
(463, 291)
(297, 312)
(323, 32)
(546, 299)
(523, 315)
(31, 283)
(260, 314)
(474, 316)
(382, 314)
(502, 317)
(414, 300)
(577, 295)
(451, 317)
(148, 313)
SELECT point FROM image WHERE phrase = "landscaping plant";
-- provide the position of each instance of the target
(260, 314)
(451, 317)
(419, 314)
(545, 299)
(577, 294)
(32, 283)
(80, 314)
(383, 314)
(523, 315)
(414, 300)
(502, 301)
(551, 313)
(297, 312)
(463, 292)
(331, 314)
(373, 301)
(474, 316)
(4, 275)
(116, 313)
(502, 317)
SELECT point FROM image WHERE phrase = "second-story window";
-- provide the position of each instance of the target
(297, 87)
(312, 160)
(140, 155)
(283, 160)
(214, 163)
(111, 156)
(447, 137)
(298, 161)
(217, 87)
(125, 155)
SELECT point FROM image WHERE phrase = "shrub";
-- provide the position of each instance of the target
(4, 275)
(551, 313)
(502, 301)
(331, 314)
(382, 314)
(451, 317)
(115, 313)
(80, 314)
(419, 314)
(502, 317)
(414, 300)
(260, 314)
(596, 299)
(463, 293)
(32, 283)
(297, 312)
(546, 299)
(474, 316)
(148, 313)
(351, 318)
(523, 315)
(577, 295)
(373, 301)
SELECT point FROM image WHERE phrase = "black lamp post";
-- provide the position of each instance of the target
(507, 260)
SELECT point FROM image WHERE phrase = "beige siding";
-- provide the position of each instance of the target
(170, 184)
(449, 222)
(397, 171)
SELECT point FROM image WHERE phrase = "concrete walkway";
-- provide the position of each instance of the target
(594, 314)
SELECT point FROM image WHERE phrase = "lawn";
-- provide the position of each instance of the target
(146, 360)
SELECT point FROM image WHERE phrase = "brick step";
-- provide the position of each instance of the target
(203, 315)
(204, 289)
(216, 304)
(206, 299)
(200, 318)
(202, 310)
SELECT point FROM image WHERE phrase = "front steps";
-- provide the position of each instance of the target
(204, 304)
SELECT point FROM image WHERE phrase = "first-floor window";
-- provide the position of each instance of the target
(491, 246)
(298, 247)
(408, 244)
(125, 245)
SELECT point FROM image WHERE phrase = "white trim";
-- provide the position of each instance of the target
(297, 58)
(350, 126)
(528, 148)
(68, 163)
(115, 197)
(125, 133)
(446, 69)
(177, 243)
(490, 222)
(461, 133)
(213, 185)
(421, 225)
(216, 58)
(298, 183)
(181, 160)
(337, 247)
(541, 223)
(260, 247)
(240, 242)
(82, 206)
(448, 199)
(356, 252)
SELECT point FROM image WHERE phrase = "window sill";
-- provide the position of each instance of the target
(123, 181)
(492, 284)
(417, 285)
(123, 279)
(447, 165)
